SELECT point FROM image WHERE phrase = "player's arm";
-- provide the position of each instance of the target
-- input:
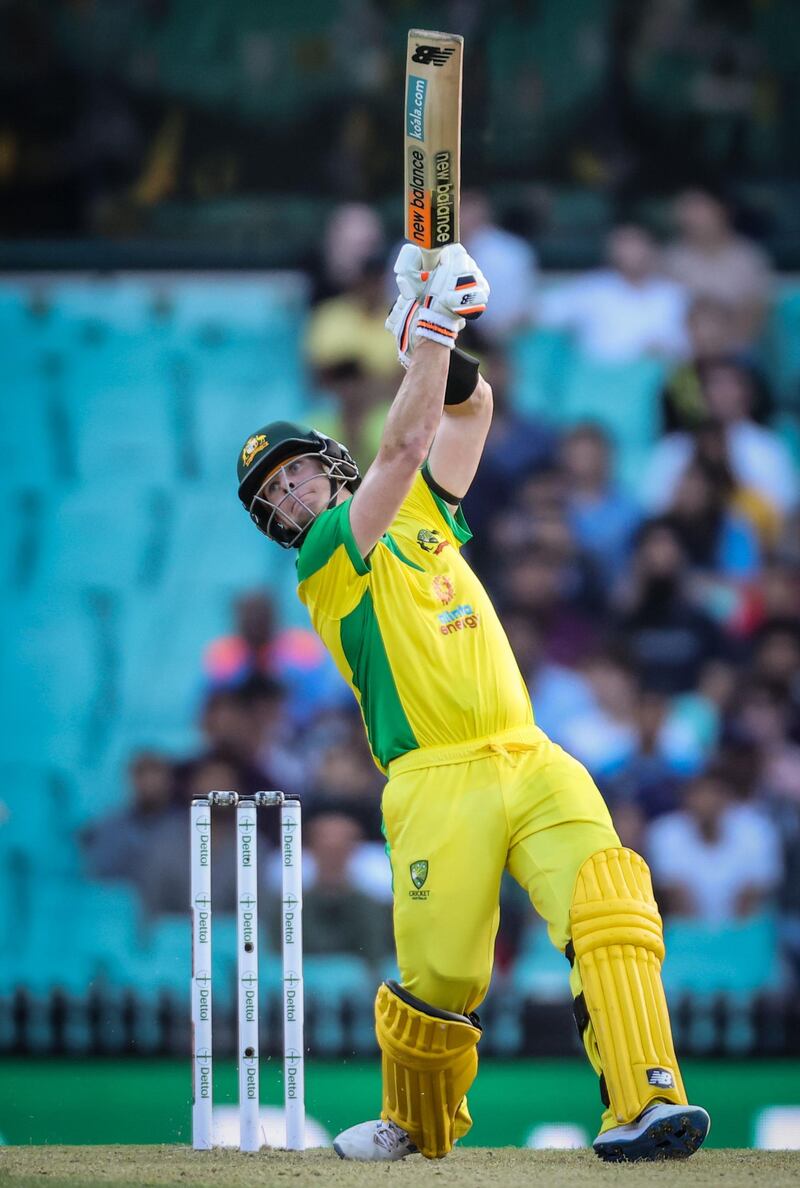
(457, 288)
(410, 426)
(458, 444)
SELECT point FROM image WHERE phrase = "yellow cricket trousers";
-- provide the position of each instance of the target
(455, 818)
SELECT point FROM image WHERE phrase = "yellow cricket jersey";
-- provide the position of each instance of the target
(411, 628)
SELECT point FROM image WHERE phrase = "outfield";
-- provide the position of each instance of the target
(140, 1167)
(147, 1101)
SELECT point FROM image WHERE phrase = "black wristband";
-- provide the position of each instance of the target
(462, 377)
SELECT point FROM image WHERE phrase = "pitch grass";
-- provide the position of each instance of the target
(151, 1167)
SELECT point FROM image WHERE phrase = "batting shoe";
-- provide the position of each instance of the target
(374, 1142)
(660, 1132)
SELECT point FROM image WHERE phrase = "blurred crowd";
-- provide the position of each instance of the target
(112, 111)
(657, 624)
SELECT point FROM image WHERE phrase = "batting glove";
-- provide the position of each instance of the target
(457, 287)
(400, 323)
(413, 314)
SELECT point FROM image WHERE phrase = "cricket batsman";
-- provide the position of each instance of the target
(474, 786)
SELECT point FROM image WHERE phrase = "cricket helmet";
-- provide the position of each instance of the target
(269, 448)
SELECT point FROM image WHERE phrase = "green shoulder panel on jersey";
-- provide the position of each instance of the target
(330, 530)
(457, 523)
(388, 729)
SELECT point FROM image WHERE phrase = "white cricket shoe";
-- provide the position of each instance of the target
(661, 1131)
(377, 1142)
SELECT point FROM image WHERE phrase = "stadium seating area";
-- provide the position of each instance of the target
(125, 401)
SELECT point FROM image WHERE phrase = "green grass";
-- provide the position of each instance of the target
(141, 1167)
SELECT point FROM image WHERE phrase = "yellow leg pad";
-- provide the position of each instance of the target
(429, 1061)
(619, 946)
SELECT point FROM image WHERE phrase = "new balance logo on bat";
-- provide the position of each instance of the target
(432, 55)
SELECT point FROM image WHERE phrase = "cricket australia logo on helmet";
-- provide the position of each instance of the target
(253, 446)
(432, 55)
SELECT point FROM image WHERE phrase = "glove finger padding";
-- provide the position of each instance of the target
(410, 272)
(400, 323)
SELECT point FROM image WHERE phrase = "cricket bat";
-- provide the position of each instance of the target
(434, 68)
(433, 140)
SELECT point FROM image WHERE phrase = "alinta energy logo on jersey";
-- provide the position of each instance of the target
(459, 618)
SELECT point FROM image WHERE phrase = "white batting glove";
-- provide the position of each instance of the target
(400, 323)
(408, 321)
(457, 287)
(414, 314)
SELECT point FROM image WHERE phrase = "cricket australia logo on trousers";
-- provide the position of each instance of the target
(419, 873)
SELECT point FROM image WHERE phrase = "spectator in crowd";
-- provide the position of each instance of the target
(230, 733)
(670, 639)
(350, 329)
(763, 718)
(509, 264)
(627, 738)
(776, 659)
(516, 446)
(337, 916)
(538, 517)
(718, 542)
(702, 710)
(257, 647)
(759, 461)
(714, 860)
(275, 752)
(344, 780)
(626, 311)
(118, 846)
(779, 590)
(350, 407)
(537, 580)
(712, 337)
(711, 260)
(353, 237)
(558, 693)
(602, 517)
(164, 886)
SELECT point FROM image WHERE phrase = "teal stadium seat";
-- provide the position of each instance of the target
(98, 537)
(784, 333)
(133, 397)
(330, 983)
(739, 958)
(124, 304)
(539, 362)
(49, 678)
(623, 398)
(540, 970)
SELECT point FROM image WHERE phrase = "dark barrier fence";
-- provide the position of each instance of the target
(114, 1023)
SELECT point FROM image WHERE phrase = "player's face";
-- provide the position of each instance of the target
(299, 490)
